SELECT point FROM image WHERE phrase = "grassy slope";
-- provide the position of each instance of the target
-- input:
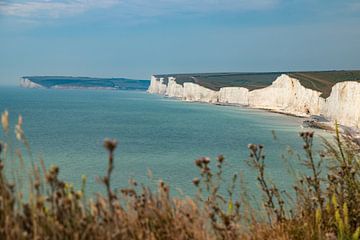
(119, 83)
(320, 81)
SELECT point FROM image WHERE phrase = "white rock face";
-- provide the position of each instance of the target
(157, 86)
(343, 104)
(195, 92)
(26, 83)
(287, 95)
(234, 95)
(173, 89)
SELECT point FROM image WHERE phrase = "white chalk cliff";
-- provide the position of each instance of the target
(173, 89)
(26, 83)
(234, 95)
(157, 86)
(285, 95)
(343, 104)
(195, 92)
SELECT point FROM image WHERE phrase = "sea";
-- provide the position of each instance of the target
(158, 138)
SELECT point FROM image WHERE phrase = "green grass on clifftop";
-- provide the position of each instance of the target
(321, 81)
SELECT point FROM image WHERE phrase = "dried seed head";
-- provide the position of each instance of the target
(206, 160)
(110, 144)
(198, 162)
(54, 170)
(252, 147)
(196, 181)
(220, 158)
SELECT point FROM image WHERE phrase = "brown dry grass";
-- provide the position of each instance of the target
(323, 207)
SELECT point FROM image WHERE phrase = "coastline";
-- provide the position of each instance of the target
(325, 126)
(284, 96)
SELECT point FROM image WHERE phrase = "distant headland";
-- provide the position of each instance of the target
(65, 82)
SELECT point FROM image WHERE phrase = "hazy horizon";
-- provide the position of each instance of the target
(135, 39)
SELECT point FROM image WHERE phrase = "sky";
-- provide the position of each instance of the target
(138, 38)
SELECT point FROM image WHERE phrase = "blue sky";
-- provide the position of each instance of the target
(137, 38)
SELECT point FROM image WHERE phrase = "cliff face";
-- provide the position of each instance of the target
(26, 83)
(234, 95)
(173, 89)
(195, 92)
(343, 104)
(157, 86)
(285, 95)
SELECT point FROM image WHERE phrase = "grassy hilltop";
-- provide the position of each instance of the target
(87, 82)
(321, 81)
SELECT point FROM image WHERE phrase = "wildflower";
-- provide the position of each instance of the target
(206, 160)
(5, 121)
(220, 158)
(198, 162)
(54, 169)
(252, 147)
(196, 181)
(110, 144)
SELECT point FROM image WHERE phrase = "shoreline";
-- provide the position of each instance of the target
(286, 95)
(327, 126)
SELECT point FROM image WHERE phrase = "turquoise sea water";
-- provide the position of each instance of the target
(67, 128)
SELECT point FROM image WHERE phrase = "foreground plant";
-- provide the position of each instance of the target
(325, 203)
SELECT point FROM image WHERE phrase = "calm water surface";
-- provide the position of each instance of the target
(67, 128)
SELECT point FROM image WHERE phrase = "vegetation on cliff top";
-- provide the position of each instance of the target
(87, 82)
(323, 204)
(321, 81)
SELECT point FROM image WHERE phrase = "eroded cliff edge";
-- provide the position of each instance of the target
(286, 94)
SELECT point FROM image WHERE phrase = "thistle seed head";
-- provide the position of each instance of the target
(110, 144)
